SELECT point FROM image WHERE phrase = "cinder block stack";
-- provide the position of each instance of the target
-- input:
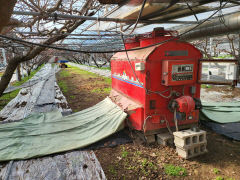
(190, 143)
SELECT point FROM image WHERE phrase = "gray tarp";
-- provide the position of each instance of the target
(43, 74)
(42, 134)
(44, 96)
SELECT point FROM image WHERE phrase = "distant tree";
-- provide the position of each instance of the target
(54, 29)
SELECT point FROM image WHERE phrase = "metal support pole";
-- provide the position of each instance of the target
(76, 17)
(210, 45)
(4, 56)
(72, 34)
(239, 48)
(238, 69)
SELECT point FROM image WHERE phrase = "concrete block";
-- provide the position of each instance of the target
(150, 138)
(187, 138)
(165, 139)
(192, 151)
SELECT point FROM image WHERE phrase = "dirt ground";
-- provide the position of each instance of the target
(82, 89)
(138, 160)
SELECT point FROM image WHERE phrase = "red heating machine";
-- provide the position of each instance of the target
(157, 86)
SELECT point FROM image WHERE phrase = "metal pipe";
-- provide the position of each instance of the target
(101, 38)
(76, 17)
(218, 26)
(4, 56)
(239, 48)
(69, 34)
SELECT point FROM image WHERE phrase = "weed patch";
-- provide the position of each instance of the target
(219, 178)
(216, 171)
(112, 170)
(124, 153)
(206, 86)
(63, 86)
(101, 90)
(175, 170)
(6, 98)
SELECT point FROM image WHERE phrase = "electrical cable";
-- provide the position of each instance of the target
(138, 18)
(112, 51)
(168, 127)
(140, 14)
(175, 118)
(145, 122)
(189, 7)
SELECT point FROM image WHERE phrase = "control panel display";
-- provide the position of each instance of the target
(178, 72)
(182, 68)
(182, 72)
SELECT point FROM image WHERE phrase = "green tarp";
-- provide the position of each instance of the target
(221, 112)
(43, 134)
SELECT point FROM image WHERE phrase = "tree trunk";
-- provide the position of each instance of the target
(94, 60)
(6, 8)
(14, 62)
(19, 76)
(7, 76)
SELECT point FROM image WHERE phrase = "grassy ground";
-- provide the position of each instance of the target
(140, 161)
(108, 68)
(6, 98)
(80, 86)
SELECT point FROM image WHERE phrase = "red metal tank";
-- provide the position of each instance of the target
(158, 35)
(132, 42)
(162, 73)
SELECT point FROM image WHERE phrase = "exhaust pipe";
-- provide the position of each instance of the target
(218, 26)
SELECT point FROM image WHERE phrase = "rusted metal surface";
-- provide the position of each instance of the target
(141, 55)
(124, 102)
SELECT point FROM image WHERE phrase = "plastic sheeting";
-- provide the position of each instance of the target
(223, 118)
(44, 96)
(223, 112)
(43, 74)
(48, 133)
(69, 166)
(231, 130)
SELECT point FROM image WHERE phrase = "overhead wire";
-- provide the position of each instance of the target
(112, 51)
(138, 18)
(147, 90)
(189, 7)
(140, 15)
